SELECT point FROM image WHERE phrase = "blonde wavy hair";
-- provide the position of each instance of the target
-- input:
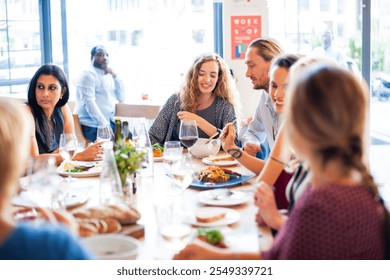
(14, 144)
(225, 87)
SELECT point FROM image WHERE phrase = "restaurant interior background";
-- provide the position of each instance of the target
(152, 42)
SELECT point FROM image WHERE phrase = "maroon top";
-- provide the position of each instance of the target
(280, 189)
(331, 222)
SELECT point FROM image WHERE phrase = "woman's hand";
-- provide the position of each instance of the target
(91, 153)
(186, 116)
(268, 212)
(196, 252)
(228, 136)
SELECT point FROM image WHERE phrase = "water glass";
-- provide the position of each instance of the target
(172, 155)
(43, 187)
(142, 143)
(173, 232)
(68, 147)
(104, 133)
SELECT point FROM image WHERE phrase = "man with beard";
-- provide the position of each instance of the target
(98, 90)
(262, 130)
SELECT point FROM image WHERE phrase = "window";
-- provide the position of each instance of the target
(150, 44)
(20, 44)
(380, 90)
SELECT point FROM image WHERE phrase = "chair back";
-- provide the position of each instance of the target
(79, 132)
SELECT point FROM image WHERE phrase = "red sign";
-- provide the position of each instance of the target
(244, 30)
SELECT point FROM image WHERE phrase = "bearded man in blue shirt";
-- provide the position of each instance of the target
(98, 89)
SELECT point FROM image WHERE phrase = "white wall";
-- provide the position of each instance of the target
(248, 96)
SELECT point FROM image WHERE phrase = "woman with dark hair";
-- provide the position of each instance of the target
(48, 95)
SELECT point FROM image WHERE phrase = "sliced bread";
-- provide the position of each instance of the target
(209, 214)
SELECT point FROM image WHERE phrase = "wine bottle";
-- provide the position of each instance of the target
(118, 134)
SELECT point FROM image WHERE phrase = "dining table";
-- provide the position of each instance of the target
(242, 234)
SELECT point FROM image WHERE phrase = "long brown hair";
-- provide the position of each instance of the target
(224, 88)
(327, 106)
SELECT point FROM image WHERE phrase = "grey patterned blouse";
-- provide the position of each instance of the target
(164, 127)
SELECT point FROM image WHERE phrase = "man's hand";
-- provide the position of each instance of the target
(252, 148)
(110, 71)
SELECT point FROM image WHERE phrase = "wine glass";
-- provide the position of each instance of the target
(43, 188)
(172, 155)
(104, 133)
(188, 134)
(183, 174)
(68, 147)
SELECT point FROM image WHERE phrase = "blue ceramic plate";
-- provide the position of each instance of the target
(234, 181)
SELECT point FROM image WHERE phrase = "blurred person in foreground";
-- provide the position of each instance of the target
(340, 215)
(208, 96)
(98, 90)
(50, 115)
(29, 240)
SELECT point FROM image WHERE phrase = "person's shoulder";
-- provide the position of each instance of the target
(264, 96)
(173, 98)
(88, 73)
(26, 107)
(224, 102)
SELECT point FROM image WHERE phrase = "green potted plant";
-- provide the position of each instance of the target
(128, 160)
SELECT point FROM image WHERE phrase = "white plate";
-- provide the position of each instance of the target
(73, 197)
(211, 161)
(158, 159)
(92, 172)
(223, 197)
(231, 217)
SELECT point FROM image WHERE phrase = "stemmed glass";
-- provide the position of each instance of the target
(183, 174)
(188, 134)
(104, 133)
(68, 147)
(172, 155)
(173, 152)
(43, 186)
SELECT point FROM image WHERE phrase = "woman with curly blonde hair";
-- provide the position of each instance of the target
(208, 96)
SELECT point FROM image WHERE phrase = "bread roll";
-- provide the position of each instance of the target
(122, 213)
(86, 230)
(208, 215)
(113, 226)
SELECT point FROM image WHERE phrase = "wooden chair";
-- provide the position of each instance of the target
(149, 112)
(137, 111)
(78, 131)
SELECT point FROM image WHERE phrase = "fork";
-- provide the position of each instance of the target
(211, 137)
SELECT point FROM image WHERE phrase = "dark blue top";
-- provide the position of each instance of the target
(30, 241)
(48, 145)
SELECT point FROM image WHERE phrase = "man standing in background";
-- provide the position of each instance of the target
(327, 48)
(98, 89)
(261, 133)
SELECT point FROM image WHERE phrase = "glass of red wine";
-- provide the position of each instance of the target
(188, 134)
